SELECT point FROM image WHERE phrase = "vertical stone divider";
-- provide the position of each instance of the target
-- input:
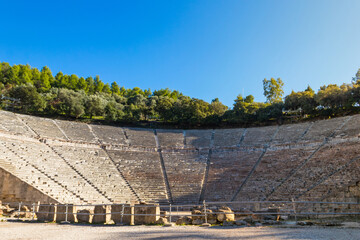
(266, 146)
(62, 131)
(163, 168)
(207, 168)
(27, 126)
(242, 137)
(184, 141)
(305, 132)
(126, 137)
(294, 171)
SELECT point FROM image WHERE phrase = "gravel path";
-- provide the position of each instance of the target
(17, 230)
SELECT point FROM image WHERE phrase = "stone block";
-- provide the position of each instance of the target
(84, 215)
(61, 213)
(152, 213)
(116, 210)
(104, 211)
(185, 220)
(46, 212)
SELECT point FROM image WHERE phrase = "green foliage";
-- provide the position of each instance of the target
(70, 103)
(31, 100)
(95, 105)
(78, 97)
(273, 90)
(302, 101)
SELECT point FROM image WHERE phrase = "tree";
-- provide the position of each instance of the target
(99, 85)
(71, 103)
(106, 89)
(95, 105)
(217, 108)
(25, 74)
(82, 85)
(303, 101)
(31, 100)
(273, 90)
(115, 88)
(90, 85)
(114, 111)
(45, 81)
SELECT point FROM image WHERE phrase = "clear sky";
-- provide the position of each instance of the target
(205, 49)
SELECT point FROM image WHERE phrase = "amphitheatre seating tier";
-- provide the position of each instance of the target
(95, 165)
(336, 187)
(45, 159)
(143, 172)
(26, 172)
(44, 127)
(76, 131)
(140, 137)
(291, 133)
(109, 134)
(80, 163)
(185, 173)
(274, 167)
(11, 124)
(259, 137)
(198, 138)
(48, 169)
(228, 137)
(321, 130)
(351, 128)
(326, 160)
(227, 171)
(171, 138)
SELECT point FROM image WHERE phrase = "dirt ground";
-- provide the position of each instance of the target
(20, 230)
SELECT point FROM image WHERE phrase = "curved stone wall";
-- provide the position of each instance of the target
(81, 163)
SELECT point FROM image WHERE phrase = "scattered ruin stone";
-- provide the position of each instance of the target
(249, 220)
(162, 220)
(228, 223)
(196, 214)
(185, 220)
(271, 222)
(7, 210)
(305, 223)
(269, 217)
(83, 216)
(198, 221)
(241, 223)
(226, 214)
(211, 217)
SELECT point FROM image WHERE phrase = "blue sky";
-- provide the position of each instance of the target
(205, 49)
